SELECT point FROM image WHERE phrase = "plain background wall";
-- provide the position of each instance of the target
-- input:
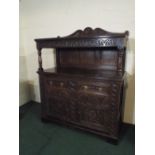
(50, 18)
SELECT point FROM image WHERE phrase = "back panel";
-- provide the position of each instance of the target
(88, 58)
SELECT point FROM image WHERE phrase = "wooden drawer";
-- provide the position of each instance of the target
(83, 91)
(91, 87)
(95, 90)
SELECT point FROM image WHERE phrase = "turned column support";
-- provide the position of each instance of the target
(120, 60)
(39, 60)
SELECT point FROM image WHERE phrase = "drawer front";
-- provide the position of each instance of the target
(94, 92)
(84, 103)
(98, 88)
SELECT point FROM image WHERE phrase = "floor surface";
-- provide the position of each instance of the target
(37, 138)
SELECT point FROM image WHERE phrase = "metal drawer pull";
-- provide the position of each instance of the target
(100, 89)
(61, 84)
(85, 87)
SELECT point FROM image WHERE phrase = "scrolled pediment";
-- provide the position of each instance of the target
(97, 32)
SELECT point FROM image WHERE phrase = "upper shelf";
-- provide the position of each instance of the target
(87, 38)
(83, 73)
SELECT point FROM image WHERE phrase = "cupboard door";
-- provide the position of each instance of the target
(94, 105)
(61, 100)
(94, 111)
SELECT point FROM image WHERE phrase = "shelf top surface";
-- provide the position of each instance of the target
(98, 74)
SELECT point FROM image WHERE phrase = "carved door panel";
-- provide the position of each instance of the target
(94, 105)
(61, 100)
(94, 112)
(57, 108)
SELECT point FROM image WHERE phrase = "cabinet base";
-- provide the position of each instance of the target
(105, 137)
(112, 141)
(45, 120)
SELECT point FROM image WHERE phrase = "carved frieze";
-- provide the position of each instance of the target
(87, 38)
(91, 42)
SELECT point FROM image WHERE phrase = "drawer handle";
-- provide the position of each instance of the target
(61, 84)
(100, 89)
(85, 87)
(51, 82)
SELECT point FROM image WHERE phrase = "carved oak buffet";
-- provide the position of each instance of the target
(85, 89)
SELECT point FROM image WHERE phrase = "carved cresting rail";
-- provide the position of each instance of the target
(83, 39)
(76, 42)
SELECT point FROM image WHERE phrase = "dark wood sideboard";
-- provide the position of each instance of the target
(85, 89)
